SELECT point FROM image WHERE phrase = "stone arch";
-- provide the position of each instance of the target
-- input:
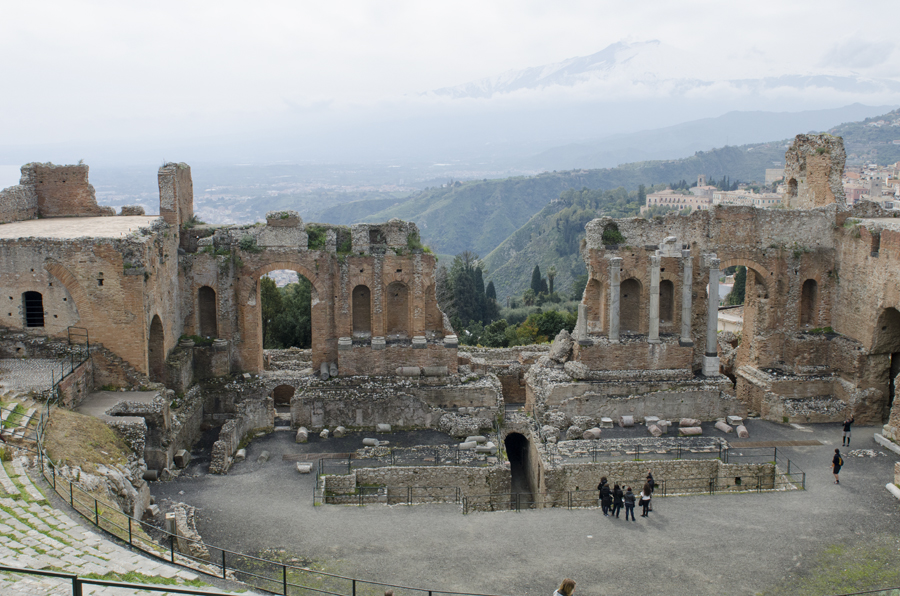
(156, 351)
(324, 344)
(809, 303)
(666, 302)
(762, 276)
(361, 307)
(282, 395)
(396, 310)
(630, 306)
(33, 309)
(206, 312)
(792, 189)
(886, 348)
(70, 283)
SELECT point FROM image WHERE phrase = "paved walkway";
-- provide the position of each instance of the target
(35, 535)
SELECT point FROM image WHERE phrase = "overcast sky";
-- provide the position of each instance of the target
(107, 69)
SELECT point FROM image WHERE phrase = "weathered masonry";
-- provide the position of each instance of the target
(137, 282)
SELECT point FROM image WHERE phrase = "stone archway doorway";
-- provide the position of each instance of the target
(519, 454)
(156, 351)
(885, 354)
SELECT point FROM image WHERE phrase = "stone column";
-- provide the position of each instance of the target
(615, 274)
(654, 300)
(687, 293)
(711, 357)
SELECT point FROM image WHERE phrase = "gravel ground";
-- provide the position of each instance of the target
(736, 544)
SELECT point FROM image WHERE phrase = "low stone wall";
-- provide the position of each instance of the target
(680, 476)
(77, 385)
(133, 432)
(638, 354)
(251, 415)
(364, 360)
(18, 203)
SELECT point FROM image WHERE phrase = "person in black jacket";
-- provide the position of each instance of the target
(617, 496)
(836, 462)
(628, 499)
(605, 496)
(847, 423)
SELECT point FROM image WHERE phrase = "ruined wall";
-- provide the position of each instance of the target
(814, 165)
(365, 359)
(176, 193)
(18, 203)
(63, 191)
(633, 354)
(76, 386)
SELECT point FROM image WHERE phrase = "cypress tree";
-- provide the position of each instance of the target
(490, 291)
(536, 279)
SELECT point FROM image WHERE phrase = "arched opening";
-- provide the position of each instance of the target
(286, 299)
(886, 348)
(282, 395)
(666, 302)
(792, 188)
(362, 311)
(397, 310)
(33, 307)
(808, 303)
(156, 351)
(206, 310)
(518, 452)
(630, 307)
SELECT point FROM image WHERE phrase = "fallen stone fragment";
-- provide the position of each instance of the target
(324, 434)
(734, 420)
(340, 432)
(690, 431)
(626, 421)
(240, 455)
(304, 467)
(591, 434)
(263, 457)
(655, 430)
(477, 438)
(690, 422)
(722, 426)
(383, 428)
(574, 432)
(606, 422)
(742, 432)
(468, 445)
(302, 435)
(370, 442)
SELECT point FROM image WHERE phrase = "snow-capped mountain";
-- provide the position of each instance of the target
(650, 68)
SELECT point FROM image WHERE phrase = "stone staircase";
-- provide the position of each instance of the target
(35, 535)
(18, 424)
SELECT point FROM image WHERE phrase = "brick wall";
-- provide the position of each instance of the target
(18, 203)
(63, 191)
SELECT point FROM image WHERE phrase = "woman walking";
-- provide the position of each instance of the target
(566, 588)
(617, 496)
(629, 503)
(645, 499)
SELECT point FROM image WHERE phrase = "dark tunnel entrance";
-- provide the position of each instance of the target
(518, 452)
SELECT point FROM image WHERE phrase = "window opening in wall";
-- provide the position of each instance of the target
(156, 351)
(206, 304)
(282, 395)
(33, 306)
(100, 282)
(286, 299)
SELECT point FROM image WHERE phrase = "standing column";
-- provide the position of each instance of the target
(654, 299)
(711, 358)
(687, 292)
(615, 274)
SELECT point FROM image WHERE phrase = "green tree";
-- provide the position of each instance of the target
(270, 297)
(551, 274)
(578, 287)
(490, 292)
(736, 296)
(536, 280)
(292, 327)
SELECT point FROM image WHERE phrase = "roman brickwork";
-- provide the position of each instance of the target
(813, 168)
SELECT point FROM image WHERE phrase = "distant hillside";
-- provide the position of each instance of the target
(867, 143)
(479, 215)
(552, 238)
(682, 140)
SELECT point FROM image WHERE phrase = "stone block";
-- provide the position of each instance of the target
(263, 457)
(477, 438)
(574, 432)
(606, 422)
(345, 343)
(451, 342)
(468, 445)
(435, 371)
(304, 467)
(323, 372)
(340, 432)
(688, 422)
(151, 511)
(378, 343)
(742, 432)
(561, 347)
(655, 430)
(182, 458)
(591, 434)
(664, 426)
(409, 371)
(370, 442)
(302, 435)
(383, 428)
(333, 369)
(648, 420)
(626, 421)
(240, 455)
(419, 342)
(724, 427)
(324, 434)
(690, 431)
(734, 420)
